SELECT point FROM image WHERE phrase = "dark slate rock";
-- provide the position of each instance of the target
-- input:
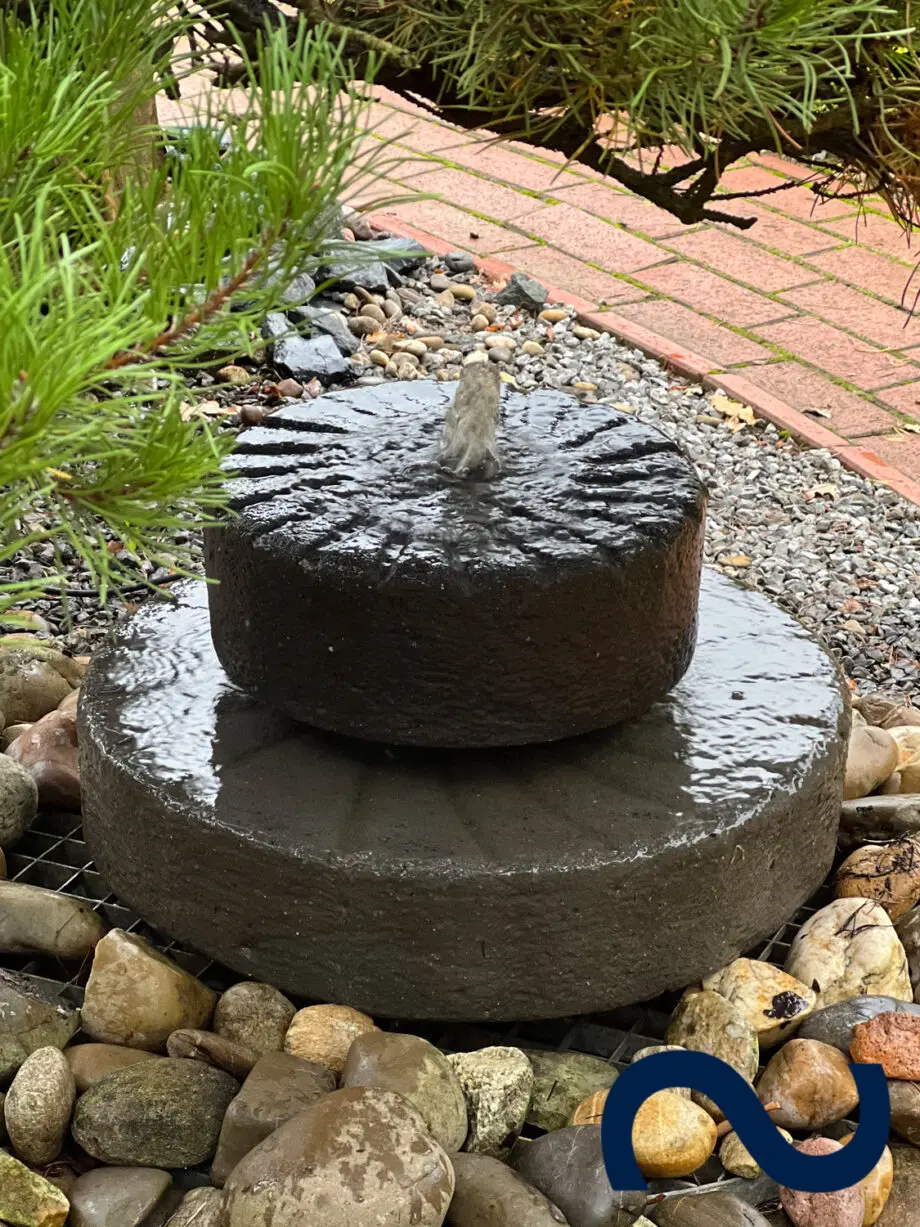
(522, 291)
(407, 254)
(299, 290)
(306, 358)
(274, 325)
(354, 274)
(568, 1167)
(834, 1024)
(459, 262)
(330, 322)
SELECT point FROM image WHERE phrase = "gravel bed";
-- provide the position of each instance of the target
(834, 549)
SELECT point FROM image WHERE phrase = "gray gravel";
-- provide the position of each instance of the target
(835, 550)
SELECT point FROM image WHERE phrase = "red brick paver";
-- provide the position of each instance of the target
(801, 315)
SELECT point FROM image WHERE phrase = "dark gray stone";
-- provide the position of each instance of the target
(834, 1024)
(116, 1197)
(332, 323)
(275, 325)
(356, 272)
(299, 290)
(527, 879)
(459, 262)
(568, 1167)
(903, 1208)
(490, 1194)
(522, 291)
(707, 1210)
(872, 819)
(399, 254)
(307, 358)
(413, 593)
(164, 1113)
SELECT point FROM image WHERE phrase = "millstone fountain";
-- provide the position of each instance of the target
(460, 733)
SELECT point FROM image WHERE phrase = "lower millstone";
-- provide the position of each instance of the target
(503, 884)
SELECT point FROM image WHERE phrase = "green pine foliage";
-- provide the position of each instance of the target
(118, 266)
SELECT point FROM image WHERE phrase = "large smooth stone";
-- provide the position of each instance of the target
(527, 879)
(812, 1084)
(872, 756)
(34, 920)
(31, 1017)
(404, 594)
(34, 678)
(889, 874)
(490, 1194)
(116, 1197)
(278, 1088)
(849, 948)
(672, 1136)
(137, 996)
(358, 1158)
(49, 752)
(568, 1167)
(414, 1068)
(325, 1034)
(563, 1080)
(165, 1113)
(878, 819)
(834, 1024)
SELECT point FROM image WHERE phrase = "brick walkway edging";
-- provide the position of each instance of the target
(692, 366)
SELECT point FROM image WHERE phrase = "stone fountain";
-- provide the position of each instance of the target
(463, 736)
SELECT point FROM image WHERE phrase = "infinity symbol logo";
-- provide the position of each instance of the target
(738, 1100)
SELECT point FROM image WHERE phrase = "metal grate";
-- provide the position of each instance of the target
(53, 855)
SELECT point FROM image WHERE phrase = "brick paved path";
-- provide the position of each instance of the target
(806, 305)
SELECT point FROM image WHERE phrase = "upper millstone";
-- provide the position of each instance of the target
(367, 592)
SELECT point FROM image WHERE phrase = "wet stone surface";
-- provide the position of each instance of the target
(414, 592)
(215, 778)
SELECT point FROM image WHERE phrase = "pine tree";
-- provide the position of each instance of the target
(832, 84)
(119, 265)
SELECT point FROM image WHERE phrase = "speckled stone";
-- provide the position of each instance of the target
(27, 1199)
(165, 1113)
(708, 1022)
(887, 873)
(360, 1157)
(411, 1067)
(497, 1085)
(38, 1106)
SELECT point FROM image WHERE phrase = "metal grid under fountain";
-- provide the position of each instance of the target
(54, 855)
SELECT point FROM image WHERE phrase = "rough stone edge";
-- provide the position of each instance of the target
(692, 365)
